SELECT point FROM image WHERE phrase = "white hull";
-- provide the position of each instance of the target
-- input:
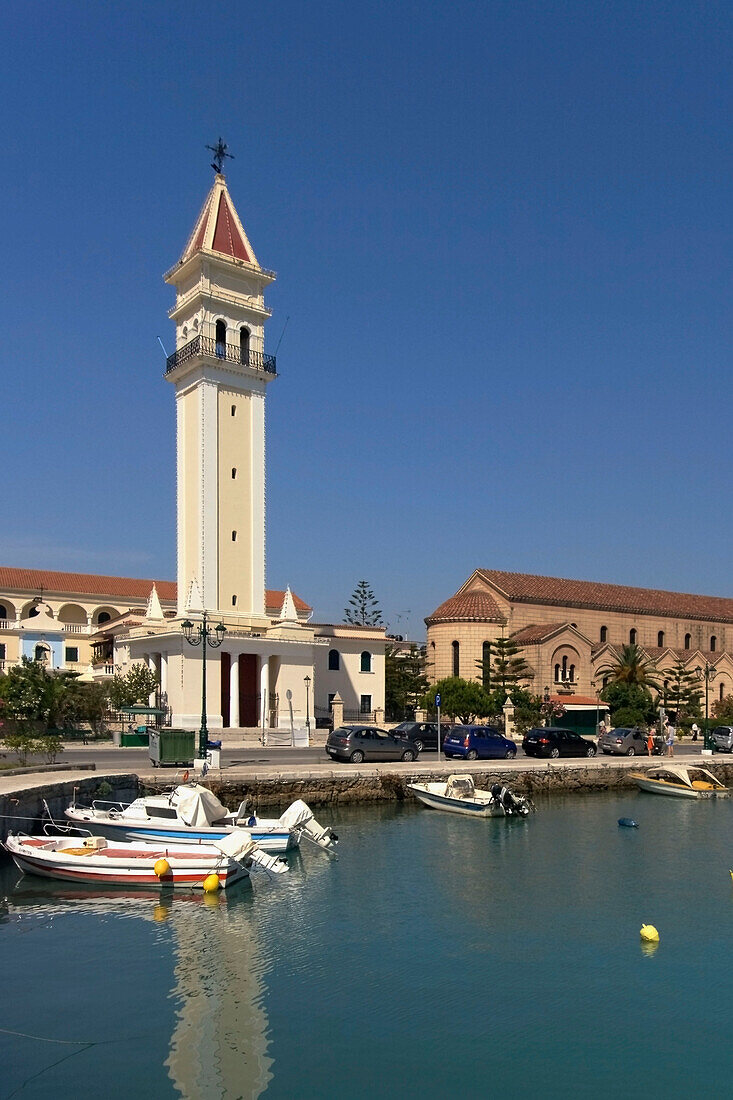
(267, 834)
(658, 786)
(122, 865)
(481, 805)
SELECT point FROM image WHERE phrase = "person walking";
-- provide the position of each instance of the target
(650, 741)
(670, 739)
(695, 731)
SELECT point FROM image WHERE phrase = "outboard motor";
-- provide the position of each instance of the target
(300, 820)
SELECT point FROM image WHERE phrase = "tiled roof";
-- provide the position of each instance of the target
(218, 227)
(528, 588)
(466, 607)
(531, 635)
(90, 584)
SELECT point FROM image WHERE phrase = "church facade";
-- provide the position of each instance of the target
(570, 630)
(274, 666)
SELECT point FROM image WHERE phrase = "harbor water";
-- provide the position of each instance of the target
(439, 956)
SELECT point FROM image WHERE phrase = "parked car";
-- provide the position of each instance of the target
(424, 735)
(722, 737)
(358, 743)
(553, 741)
(624, 741)
(478, 743)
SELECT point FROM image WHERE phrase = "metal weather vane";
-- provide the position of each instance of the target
(220, 153)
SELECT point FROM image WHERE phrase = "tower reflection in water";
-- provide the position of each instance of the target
(219, 1044)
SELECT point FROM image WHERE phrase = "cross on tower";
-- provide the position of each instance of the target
(220, 152)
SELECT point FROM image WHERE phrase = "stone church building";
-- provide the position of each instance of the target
(568, 630)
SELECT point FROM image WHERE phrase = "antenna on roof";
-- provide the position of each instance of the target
(165, 353)
(282, 334)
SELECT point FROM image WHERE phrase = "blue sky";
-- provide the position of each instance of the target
(502, 233)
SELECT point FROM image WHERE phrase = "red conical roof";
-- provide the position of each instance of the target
(218, 228)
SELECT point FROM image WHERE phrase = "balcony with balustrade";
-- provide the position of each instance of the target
(207, 347)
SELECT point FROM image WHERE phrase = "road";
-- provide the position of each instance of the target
(108, 758)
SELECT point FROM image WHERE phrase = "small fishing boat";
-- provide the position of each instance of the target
(458, 795)
(191, 813)
(97, 861)
(679, 781)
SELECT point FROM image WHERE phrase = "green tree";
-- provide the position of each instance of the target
(463, 699)
(31, 693)
(682, 691)
(630, 704)
(504, 667)
(405, 681)
(133, 688)
(363, 608)
(722, 710)
(632, 667)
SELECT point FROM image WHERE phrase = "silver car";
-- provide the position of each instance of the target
(723, 738)
(624, 741)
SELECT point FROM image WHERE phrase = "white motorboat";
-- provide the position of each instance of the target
(97, 861)
(458, 795)
(680, 781)
(191, 813)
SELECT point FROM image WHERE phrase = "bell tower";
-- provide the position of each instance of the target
(220, 372)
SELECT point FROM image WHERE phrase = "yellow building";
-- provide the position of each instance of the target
(568, 630)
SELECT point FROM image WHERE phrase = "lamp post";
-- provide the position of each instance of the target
(307, 682)
(594, 685)
(546, 701)
(204, 636)
(707, 673)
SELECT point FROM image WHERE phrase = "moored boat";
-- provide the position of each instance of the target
(190, 814)
(97, 861)
(458, 795)
(680, 781)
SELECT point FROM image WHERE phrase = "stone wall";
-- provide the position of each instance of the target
(21, 811)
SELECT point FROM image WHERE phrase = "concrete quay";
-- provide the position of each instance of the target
(275, 787)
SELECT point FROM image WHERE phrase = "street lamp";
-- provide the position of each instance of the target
(546, 701)
(307, 682)
(594, 685)
(204, 636)
(707, 673)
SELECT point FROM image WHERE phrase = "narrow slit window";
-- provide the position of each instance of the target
(234, 410)
(234, 601)
(234, 473)
(234, 536)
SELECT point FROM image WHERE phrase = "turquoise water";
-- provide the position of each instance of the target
(438, 957)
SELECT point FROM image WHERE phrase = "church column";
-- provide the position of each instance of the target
(264, 690)
(234, 691)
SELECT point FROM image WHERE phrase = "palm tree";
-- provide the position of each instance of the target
(632, 667)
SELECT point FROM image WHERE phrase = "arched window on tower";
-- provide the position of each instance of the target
(660, 638)
(688, 641)
(244, 345)
(221, 339)
(604, 634)
(713, 643)
(333, 660)
(456, 658)
(632, 636)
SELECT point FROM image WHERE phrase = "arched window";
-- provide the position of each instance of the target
(557, 674)
(632, 636)
(3, 611)
(688, 641)
(234, 536)
(366, 661)
(333, 660)
(33, 611)
(605, 681)
(103, 617)
(720, 691)
(604, 633)
(572, 674)
(486, 664)
(234, 473)
(41, 653)
(221, 339)
(713, 643)
(564, 673)
(660, 638)
(456, 658)
(244, 345)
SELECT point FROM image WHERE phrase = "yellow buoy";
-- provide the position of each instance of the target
(731, 874)
(211, 884)
(162, 867)
(649, 933)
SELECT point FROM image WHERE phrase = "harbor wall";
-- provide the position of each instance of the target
(22, 808)
(389, 786)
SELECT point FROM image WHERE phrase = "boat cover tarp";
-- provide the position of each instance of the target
(198, 806)
(299, 819)
(237, 845)
(685, 775)
(460, 786)
(297, 815)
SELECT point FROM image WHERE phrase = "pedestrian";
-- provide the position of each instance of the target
(650, 741)
(695, 731)
(670, 739)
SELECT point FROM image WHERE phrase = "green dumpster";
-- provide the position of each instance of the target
(169, 746)
(134, 738)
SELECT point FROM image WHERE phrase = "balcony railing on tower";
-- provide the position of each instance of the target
(209, 348)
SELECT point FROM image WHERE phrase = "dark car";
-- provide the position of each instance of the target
(424, 735)
(624, 741)
(478, 743)
(553, 741)
(358, 743)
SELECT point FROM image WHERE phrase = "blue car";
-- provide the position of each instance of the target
(478, 743)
